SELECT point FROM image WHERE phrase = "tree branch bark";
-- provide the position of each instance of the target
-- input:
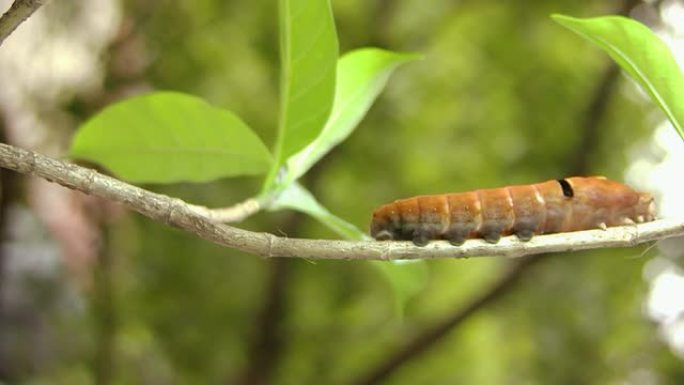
(175, 212)
(18, 12)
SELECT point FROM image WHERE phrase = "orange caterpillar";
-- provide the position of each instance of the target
(555, 206)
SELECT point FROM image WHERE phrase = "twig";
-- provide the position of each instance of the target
(18, 12)
(175, 212)
(233, 214)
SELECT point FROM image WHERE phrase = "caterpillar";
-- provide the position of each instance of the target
(554, 206)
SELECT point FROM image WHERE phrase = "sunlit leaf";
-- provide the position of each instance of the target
(296, 197)
(642, 55)
(308, 50)
(166, 137)
(361, 76)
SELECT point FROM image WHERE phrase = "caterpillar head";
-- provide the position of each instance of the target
(385, 224)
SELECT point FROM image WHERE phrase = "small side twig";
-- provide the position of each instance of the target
(16, 14)
(233, 214)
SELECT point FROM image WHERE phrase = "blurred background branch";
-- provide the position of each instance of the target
(19, 11)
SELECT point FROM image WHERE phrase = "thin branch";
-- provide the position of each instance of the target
(175, 212)
(18, 12)
(233, 214)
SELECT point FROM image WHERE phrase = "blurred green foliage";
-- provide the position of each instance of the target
(501, 97)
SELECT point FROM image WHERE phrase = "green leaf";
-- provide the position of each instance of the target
(296, 197)
(361, 76)
(167, 137)
(308, 50)
(642, 55)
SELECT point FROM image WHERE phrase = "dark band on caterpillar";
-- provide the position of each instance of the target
(567, 189)
(570, 204)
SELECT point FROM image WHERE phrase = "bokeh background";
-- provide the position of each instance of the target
(91, 293)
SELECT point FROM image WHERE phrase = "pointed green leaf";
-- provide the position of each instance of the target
(167, 137)
(642, 55)
(296, 197)
(361, 76)
(308, 50)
